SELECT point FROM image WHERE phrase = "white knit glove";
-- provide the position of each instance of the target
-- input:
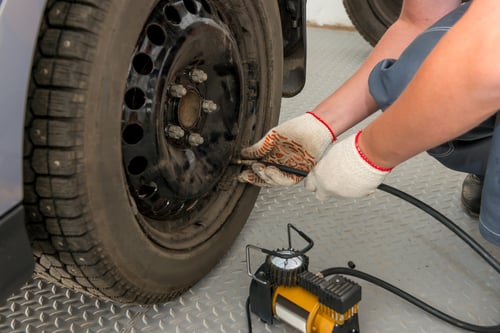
(345, 172)
(297, 143)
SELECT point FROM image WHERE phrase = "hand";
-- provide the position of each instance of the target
(297, 143)
(345, 172)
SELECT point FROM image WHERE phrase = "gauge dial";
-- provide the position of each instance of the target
(285, 271)
(287, 264)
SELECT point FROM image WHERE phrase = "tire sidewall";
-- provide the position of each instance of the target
(136, 260)
(366, 21)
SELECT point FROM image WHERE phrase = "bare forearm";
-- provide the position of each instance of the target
(457, 87)
(352, 102)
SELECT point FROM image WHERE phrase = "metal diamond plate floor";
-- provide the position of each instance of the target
(382, 235)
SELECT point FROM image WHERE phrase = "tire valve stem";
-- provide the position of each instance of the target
(177, 91)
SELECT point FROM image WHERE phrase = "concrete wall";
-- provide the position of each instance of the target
(327, 12)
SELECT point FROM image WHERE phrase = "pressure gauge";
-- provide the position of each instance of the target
(285, 266)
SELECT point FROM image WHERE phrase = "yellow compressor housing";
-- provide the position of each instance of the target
(308, 302)
(302, 310)
(282, 288)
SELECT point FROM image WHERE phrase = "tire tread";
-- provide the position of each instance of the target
(57, 219)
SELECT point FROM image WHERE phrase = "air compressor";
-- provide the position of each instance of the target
(283, 289)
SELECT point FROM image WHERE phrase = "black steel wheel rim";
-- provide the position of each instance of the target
(181, 122)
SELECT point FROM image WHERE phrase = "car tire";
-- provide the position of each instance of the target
(135, 111)
(372, 17)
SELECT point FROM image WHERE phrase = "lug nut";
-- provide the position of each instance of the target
(174, 132)
(209, 106)
(177, 90)
(198, 76)
(195, 139)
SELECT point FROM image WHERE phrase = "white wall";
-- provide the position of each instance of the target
(327, 12)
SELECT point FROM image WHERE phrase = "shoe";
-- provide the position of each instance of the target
(472, 189)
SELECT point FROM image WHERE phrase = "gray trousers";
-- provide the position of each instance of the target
(477, 151)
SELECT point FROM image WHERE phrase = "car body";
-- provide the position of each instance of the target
(19, 24)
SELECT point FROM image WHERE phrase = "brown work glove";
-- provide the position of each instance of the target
(297, 143)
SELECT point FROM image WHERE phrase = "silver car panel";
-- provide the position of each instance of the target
(19, 24)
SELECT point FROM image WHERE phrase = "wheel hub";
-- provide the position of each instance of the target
(189, 111)
(181, 109)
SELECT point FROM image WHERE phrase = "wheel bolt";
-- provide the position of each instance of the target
(198, 76)
(174, 132)
(195, 139)
(177, 90)
(209, 106)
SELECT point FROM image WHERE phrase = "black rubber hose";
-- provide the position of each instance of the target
(249, 315)
(411, 299)
(423, 206)
(446, 222)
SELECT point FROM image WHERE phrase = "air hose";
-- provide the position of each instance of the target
(412, 299)
(446, 222)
